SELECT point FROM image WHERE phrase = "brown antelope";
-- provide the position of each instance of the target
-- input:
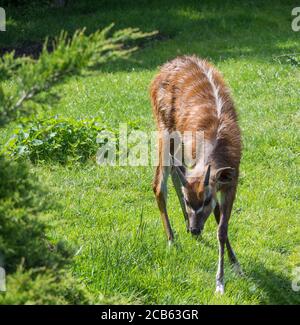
(189, 94)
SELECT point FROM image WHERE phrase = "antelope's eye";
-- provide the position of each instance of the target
(207, 201)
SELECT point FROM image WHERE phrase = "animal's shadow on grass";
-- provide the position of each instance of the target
(277, 287)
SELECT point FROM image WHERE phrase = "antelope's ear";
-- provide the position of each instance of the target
(207, 176)
(181, 176)
(225, 175)
(179, 169)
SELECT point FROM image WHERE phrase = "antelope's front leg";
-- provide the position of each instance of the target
(160, 191)
(177, 185)
(231, 254)
(225, 209)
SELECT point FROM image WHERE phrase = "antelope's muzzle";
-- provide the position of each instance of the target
(195, 231)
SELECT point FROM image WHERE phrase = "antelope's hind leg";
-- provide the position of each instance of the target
(161, 191)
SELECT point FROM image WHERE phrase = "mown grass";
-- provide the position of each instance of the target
(110, 214)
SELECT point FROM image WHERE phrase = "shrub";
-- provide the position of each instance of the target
(69, 56)
(35, 267)
(56, 139)
(61, 140)
(22, 233)
(43, 286)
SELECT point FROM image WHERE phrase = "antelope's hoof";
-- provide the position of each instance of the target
(170, 243)
(220, 289)
(238, 269)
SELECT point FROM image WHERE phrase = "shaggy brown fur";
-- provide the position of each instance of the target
(189, 94)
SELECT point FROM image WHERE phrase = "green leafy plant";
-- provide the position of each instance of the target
(292, 58)
(62, 140)
(56, 139)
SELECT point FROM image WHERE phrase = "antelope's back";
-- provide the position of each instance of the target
(189, 94)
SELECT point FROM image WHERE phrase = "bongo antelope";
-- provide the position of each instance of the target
(189, 94)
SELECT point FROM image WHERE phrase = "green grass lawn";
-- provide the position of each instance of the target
(109, 213)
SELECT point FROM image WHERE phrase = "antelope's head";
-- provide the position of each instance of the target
(200, 193)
